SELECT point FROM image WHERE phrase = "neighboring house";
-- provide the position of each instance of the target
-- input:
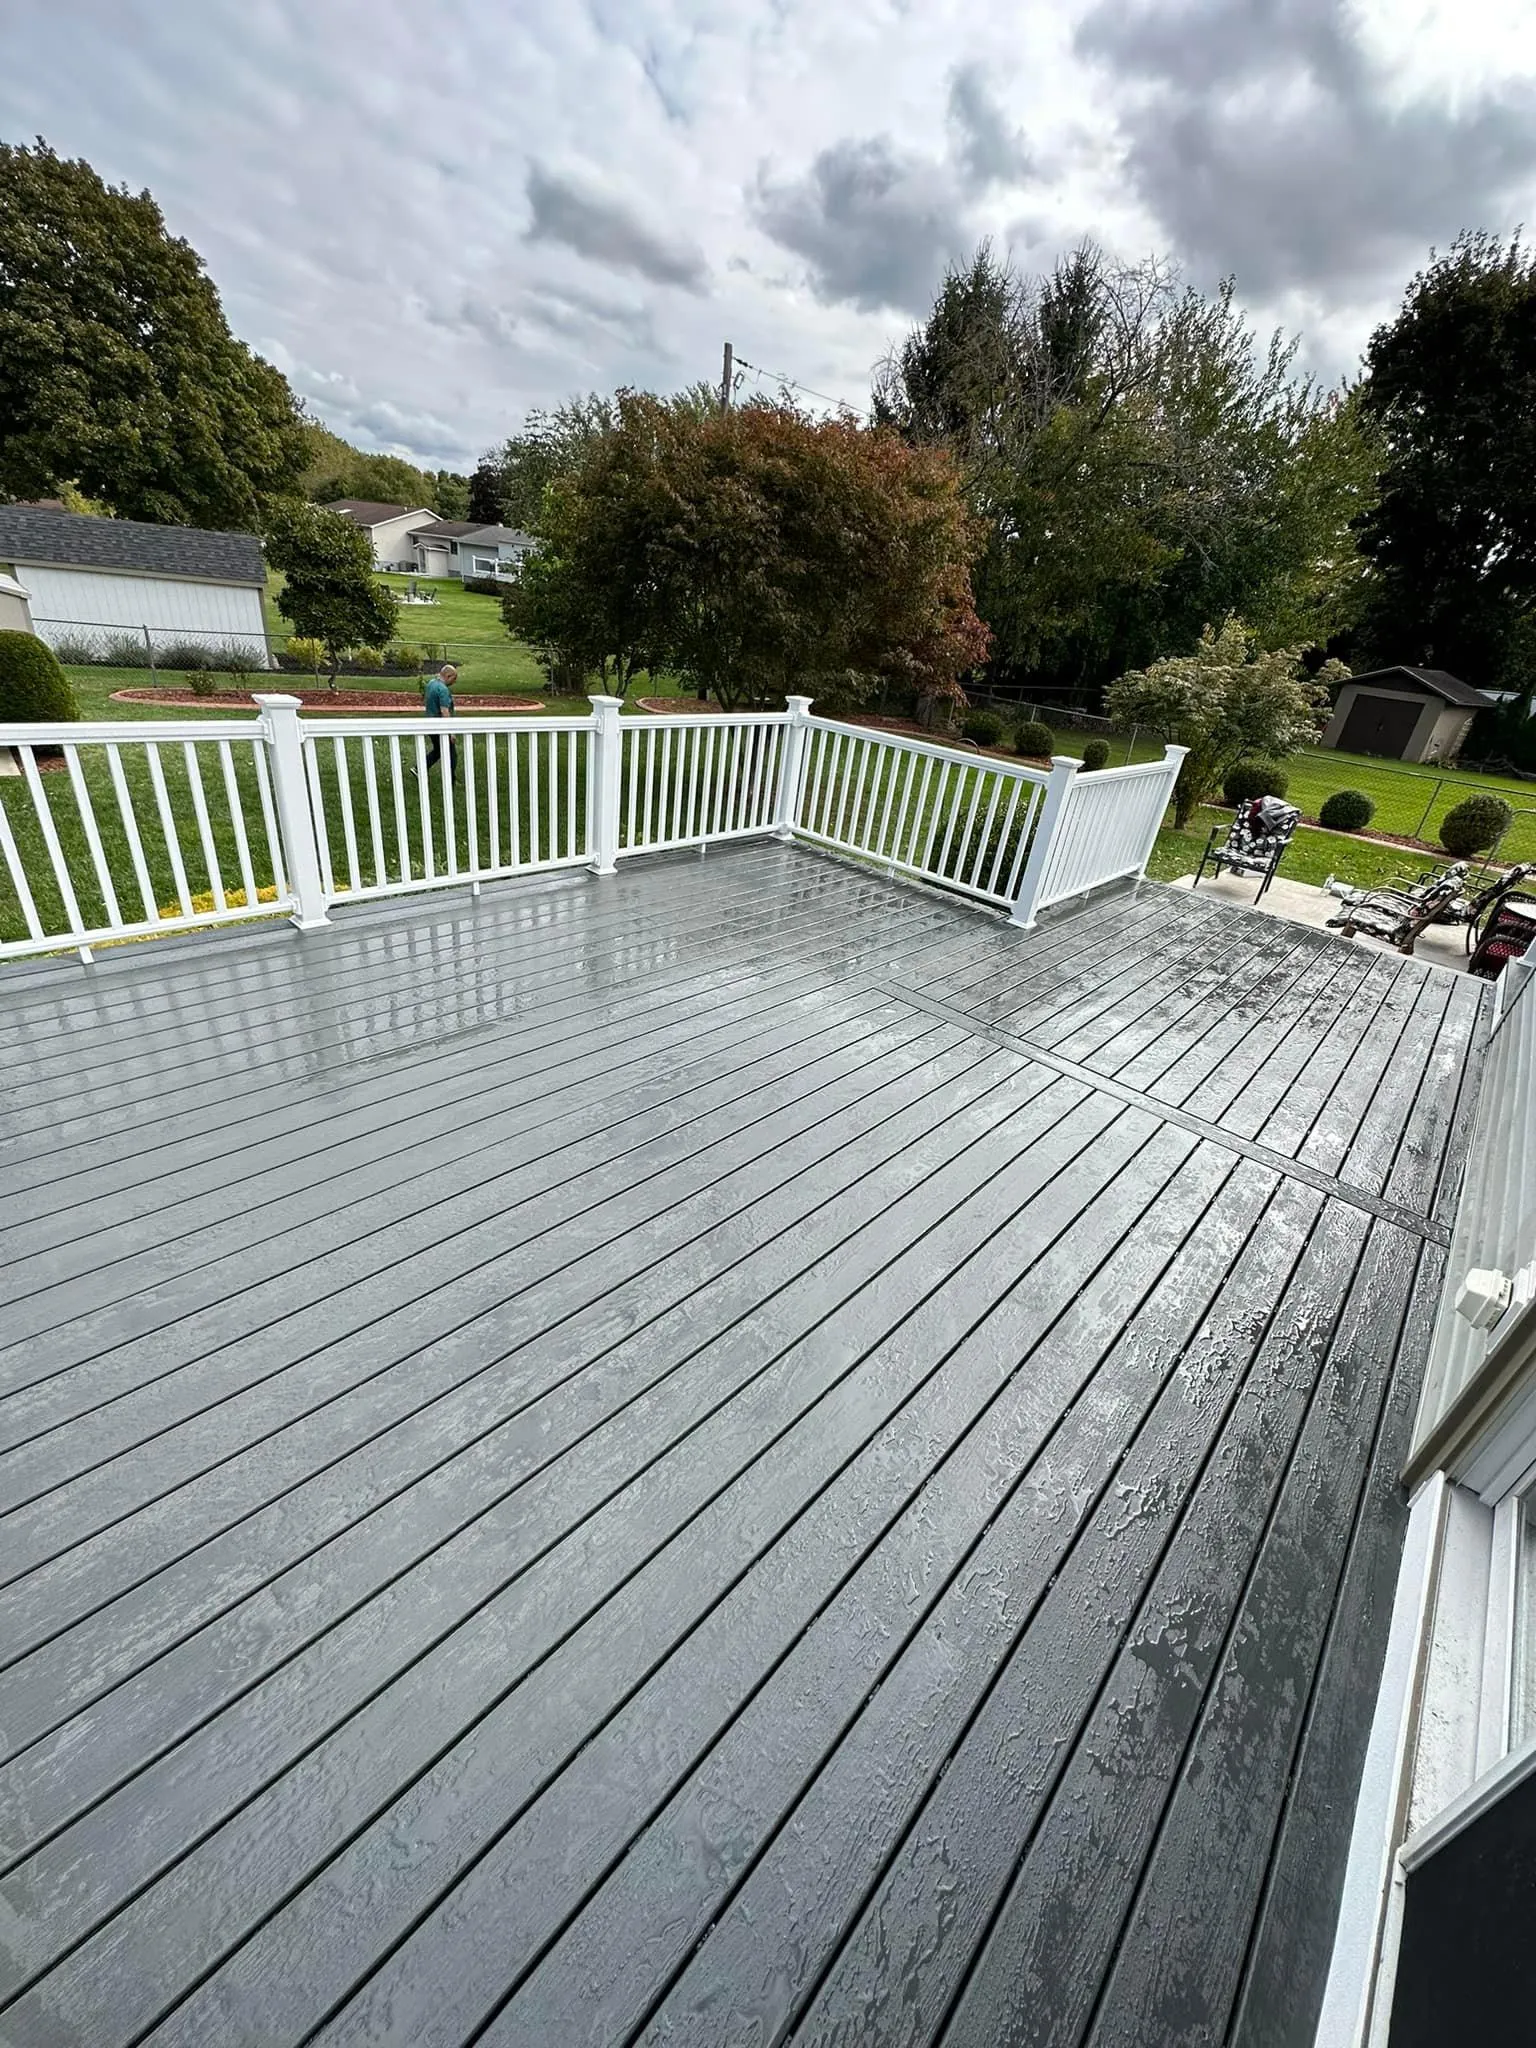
(1408, 714)
(389, 527)
(434, 545)
(458, 547)
(14, 615)
(90, 578)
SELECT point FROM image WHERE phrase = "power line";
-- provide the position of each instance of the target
(794, 384)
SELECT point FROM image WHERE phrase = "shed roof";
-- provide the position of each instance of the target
(1437, 682)
(134, 547)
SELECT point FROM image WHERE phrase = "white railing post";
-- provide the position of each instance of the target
(295, 821)
(1052, 812)
(1174, 756)
(786, 800)
(603, 826)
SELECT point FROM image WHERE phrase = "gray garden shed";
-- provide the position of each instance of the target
(1407, 714)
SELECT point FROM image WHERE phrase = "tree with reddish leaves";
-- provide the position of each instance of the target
(755, 553)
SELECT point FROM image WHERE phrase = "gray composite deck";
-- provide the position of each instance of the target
(734, 1454)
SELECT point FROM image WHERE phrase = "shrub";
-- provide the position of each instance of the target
(1249, 779)
(404, 657)
(121, 650)
(202, 684)
(188, 654)
(984, 727)
(1474, 825)
(74, 652)
(370, 658)
(1095, 754)
(306, 652)
(485, 586)
(33, 687)
(1035, 737)
(1347, 810)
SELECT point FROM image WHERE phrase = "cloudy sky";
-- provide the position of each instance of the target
(433, 217)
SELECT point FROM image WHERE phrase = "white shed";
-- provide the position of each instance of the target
(92, 581)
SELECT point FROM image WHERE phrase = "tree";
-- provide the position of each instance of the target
(1140, 462)
(329, 592)
(335, 469)
(118, 372)
(513, 478)
(1226, 701)
(755, 552)
(1451, 384)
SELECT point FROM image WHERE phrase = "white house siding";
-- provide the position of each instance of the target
(391, 545)
(67, 603)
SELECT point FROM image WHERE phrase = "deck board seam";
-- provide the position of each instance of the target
(1293, 1169)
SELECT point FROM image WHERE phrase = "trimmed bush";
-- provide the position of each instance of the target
(1474, 825)
(404, 657)
(485, 586)
(202, 684)
(1254, 778)
(1095, 754)
(33, 687)
(370, 658)
(307, 654)
(984, 727)
(1347, 810)
(1034, 737)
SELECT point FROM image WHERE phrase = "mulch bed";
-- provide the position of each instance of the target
(327, 700)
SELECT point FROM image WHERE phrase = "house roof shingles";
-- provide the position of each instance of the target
(364, 512)
(34, 534)
(1438, 681)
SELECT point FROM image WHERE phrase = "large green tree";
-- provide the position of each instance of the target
(118, 372)
(1451, 385)
(755, 552)
(335, 469)
(1141, 462)
(329, 591)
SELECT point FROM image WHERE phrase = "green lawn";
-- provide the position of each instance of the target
(1312, 856)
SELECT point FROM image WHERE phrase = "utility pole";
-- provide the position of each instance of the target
(726, 378)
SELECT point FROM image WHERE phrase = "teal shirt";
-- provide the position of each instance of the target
(439, 698)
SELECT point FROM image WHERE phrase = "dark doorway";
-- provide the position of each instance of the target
(1379, 725)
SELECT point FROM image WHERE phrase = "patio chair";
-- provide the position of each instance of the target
(1398, 916)
(1255, 840)
(1508, 930)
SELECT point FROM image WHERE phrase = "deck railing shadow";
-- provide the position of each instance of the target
(125, 831)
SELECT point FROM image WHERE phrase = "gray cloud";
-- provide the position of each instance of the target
(875, 225)
(605, 231)
(988, 150)
(1266, 144)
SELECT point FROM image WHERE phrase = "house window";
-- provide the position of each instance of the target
(1522, 1676)
(486, 566)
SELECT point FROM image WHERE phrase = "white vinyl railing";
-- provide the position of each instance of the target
(1106, 826)
(688, 781)
(122, 831)
(965, 820)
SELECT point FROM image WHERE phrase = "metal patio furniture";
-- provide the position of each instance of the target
(1255, 840)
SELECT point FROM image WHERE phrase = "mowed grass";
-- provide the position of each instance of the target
(1312, 856)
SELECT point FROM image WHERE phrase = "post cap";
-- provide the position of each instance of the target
(594, 698)
(1065, 761)
(277, 701)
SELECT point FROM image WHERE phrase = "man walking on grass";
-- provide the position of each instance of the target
(440, 705)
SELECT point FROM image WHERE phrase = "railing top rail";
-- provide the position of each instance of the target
(86, 731)
(649, 719)
(461, 723)
(1017, 769)
(1126, 772)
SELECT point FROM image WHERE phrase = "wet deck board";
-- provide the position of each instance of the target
(742, 1452)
